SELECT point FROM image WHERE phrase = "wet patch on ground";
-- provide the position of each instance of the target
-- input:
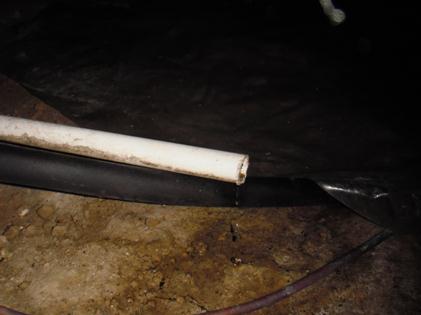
(66, 254)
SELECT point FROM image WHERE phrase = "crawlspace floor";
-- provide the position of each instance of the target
(65, 254)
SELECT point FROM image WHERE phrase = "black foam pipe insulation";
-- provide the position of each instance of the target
(38, 168)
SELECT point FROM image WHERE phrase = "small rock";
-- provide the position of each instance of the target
(23, 212)
(59, 230)
(236, 261)
(46, 212)
(12, 232)
(152, 222)
(23, 285)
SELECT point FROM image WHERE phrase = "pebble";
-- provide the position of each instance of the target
(59, 230)
(23, 285)
(46, 212)
(152, 222)
(23, 212)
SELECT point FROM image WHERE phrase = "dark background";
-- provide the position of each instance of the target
(274, 79)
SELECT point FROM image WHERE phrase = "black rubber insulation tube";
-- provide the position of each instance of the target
(38, 168)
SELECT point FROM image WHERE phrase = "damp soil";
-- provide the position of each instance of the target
(66, 254)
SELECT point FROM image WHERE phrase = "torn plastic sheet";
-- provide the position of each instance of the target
(389, 199)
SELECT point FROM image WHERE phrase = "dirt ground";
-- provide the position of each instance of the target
(66, 254)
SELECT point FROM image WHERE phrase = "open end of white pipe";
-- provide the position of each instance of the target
(242, 174)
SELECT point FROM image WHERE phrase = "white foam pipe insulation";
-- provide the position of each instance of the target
(173, 157)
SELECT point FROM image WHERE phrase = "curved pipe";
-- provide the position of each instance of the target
(8, 311)
(304, 282)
